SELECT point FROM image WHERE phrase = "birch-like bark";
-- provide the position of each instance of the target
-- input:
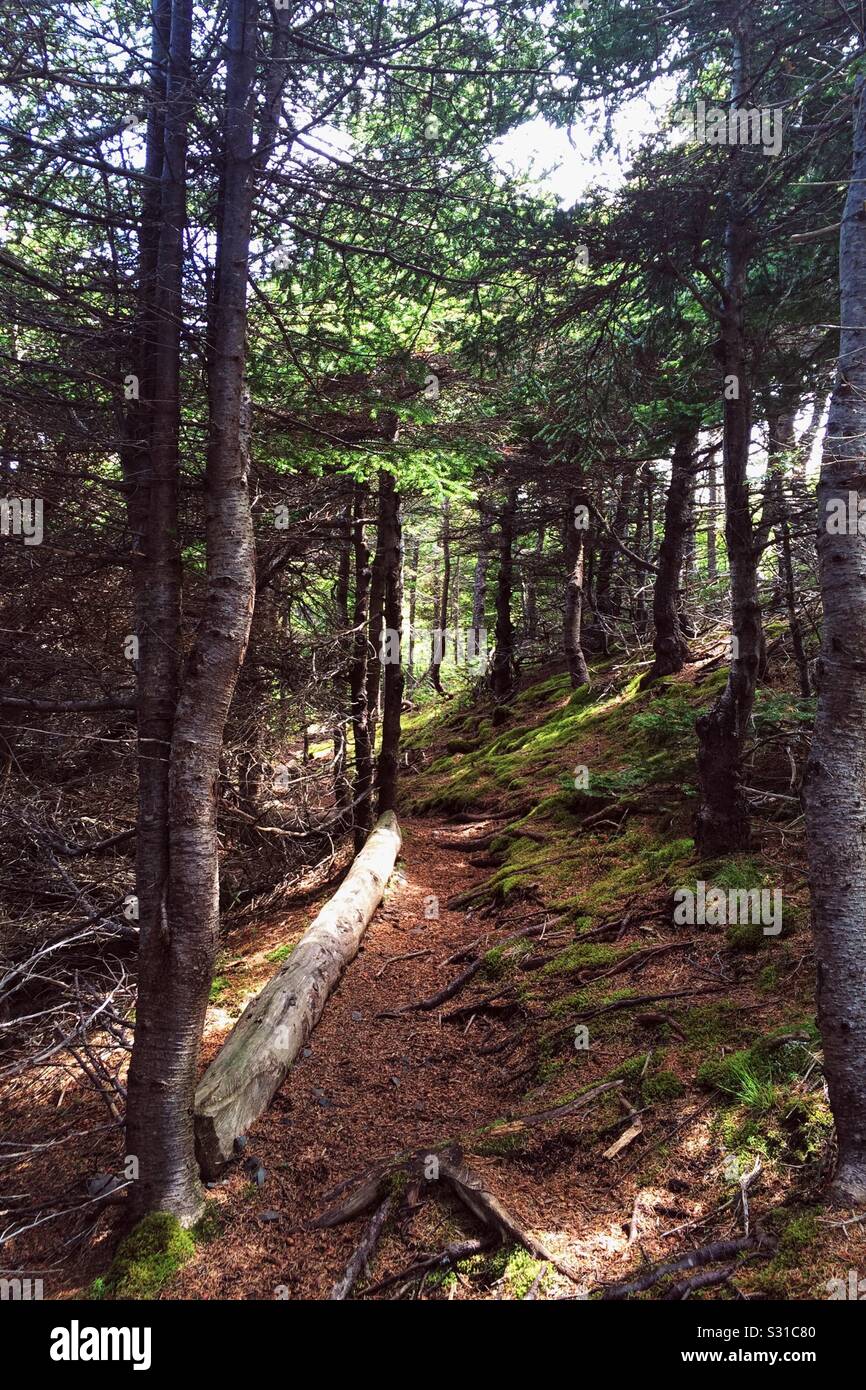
(836, 769)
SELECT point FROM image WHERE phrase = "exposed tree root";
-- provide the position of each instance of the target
(363, 1254)
(415, 1173)
(706, 1255)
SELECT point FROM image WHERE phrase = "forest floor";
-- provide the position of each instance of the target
(709, 1030)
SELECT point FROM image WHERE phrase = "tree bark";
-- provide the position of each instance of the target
(342, 785)
(573, 607)
(171, 1004)
(503, 673)
(390, 540)
(441, 623)
(712, 519)
(836, 768)
(255, 1058)
(479, 582)
(160, 1074)
(722, 822)
(358, 675)
(414, 556)
(376, 620)
(669, 643)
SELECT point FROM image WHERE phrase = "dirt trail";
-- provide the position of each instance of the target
(365, 1088)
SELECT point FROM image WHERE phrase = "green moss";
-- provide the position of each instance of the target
(148, 1258)
(580, 956)
(570, 1003)
(218, 987)
(710, 1025)
(800, 1231)
(548, 1069)
(665, 1085)
(630, 1069)
(281, 953)
(745, 936)
(768, 980)
(500, 1146)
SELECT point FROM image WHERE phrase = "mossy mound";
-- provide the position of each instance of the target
(147, 1259)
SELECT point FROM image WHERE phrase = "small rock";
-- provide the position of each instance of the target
(256, 1170)
(395, 1080)
(101, 1184)
(241, 1143)
(270, 1216)
(357, 1015)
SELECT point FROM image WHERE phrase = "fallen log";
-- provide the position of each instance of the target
(256, 1057)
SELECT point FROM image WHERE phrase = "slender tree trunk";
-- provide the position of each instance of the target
(455, 609)
(479, 581)
(414, 555)
(606, 599)
(780, 451)
(504, 669)
(376, 621)
(392, 566)
(722, 823)
(358, 676)
(342, 784)
(531, 588)
(171, 1009)
(159, 1121)
(639, 610)
(573, 608)
(712, 519)
(441, 622)
(836, 768)
(669, 643)
(689, 573)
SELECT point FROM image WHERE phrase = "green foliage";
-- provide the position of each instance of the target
(775, 707)
(669, 719)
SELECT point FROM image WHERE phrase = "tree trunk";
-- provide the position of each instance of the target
(573, 609)
(161, 1101)
(479, 581)
(342, 784)
(606, 601)
(358, 676)
(441, 622)
(390, 540)
(159, 1123)
(669, 643)
(712, 519)
(722, 822)
(414, 555)
(376, 622)
(533, 566)
(836, 768)
(504, 670)
(255, 1058)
